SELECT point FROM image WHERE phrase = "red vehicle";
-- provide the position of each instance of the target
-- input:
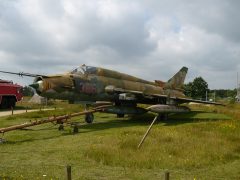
(9, 94)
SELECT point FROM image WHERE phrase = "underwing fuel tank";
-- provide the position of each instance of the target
(162, 108)
(124, 110)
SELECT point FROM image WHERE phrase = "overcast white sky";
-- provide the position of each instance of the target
(151, 39)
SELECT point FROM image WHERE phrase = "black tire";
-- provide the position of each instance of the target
(75, 129)
(120, 115)
(89, 118)
(8, 102)
(61, 127)
(162, 117)
(4, 104)
(11, 102)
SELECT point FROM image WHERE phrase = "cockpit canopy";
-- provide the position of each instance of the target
(84, 70)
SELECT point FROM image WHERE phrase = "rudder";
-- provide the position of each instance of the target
(177, 81)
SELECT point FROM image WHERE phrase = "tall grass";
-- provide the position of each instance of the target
(232, 110)
(184, 147)
(203, 144)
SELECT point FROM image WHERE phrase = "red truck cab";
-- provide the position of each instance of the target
(9, 94)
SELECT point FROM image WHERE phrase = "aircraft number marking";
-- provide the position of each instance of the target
(88, 88)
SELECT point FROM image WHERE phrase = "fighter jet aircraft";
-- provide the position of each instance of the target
(91, 84)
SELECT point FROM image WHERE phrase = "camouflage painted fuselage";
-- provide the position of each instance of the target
(98, 84)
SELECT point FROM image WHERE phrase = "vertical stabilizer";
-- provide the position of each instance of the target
(177, 81)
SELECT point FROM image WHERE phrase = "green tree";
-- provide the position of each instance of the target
(188, 89)
(196, 89)
(224, 93)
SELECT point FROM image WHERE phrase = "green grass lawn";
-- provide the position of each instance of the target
(196, 145)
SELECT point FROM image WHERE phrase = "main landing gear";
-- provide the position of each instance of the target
(120, 115)
(163, 117)
(89, 118)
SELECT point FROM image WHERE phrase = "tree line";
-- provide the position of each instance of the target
(198, 89)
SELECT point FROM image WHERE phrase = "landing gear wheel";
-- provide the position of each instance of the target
(61, 127)
(120, 115)
(163, 117)
(89, 118)
(75, 129)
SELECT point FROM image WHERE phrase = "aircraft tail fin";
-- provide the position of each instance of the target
(177, 81)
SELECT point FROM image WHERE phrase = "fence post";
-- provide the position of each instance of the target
(69, 172)
(167, 175)
(12, 109)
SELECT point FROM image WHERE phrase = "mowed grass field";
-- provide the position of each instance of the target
(203, 144)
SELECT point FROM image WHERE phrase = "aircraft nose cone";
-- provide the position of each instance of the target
(38, 86)
(34, 85)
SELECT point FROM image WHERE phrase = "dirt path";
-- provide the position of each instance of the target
(7, 113)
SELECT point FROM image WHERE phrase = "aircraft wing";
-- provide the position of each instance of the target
(179, 100)
(112, 89)
(188, 100)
